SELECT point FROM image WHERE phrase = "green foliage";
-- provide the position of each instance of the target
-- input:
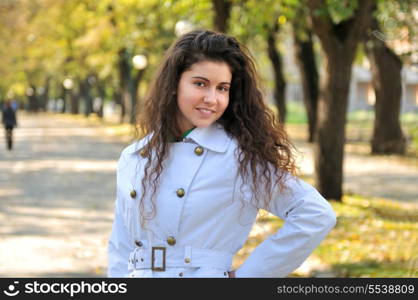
(59, 38)
(341, 10)
(412, 131)
(398, 23)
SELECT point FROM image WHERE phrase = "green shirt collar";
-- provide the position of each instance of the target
(187, 132)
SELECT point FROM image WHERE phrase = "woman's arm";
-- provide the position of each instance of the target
(308, 219)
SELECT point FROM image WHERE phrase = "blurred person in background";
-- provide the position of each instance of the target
(9, 122)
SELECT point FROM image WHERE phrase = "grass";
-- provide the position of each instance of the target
(359, 127)
(372, 238)
(297, 115)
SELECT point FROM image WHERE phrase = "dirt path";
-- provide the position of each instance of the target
(57, 192)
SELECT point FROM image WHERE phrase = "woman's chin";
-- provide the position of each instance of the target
(203, 124)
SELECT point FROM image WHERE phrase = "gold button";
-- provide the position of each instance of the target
(187, 260)
(171, 240)
(142, 152)
(133, 194)
(180, 192)
(198, 150)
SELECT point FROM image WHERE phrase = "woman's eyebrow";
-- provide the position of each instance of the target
(205, 79)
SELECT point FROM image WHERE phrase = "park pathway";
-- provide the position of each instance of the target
(392, 177)
(57, 190)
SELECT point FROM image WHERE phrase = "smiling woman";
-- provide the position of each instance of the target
(210, 156)
(203, 94)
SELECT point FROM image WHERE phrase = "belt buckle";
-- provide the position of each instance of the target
(158, 269)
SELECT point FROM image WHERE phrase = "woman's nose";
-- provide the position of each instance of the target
(210, 97)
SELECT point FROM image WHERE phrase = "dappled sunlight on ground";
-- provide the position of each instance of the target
(34, 256)
(64, 165)
(57, 190)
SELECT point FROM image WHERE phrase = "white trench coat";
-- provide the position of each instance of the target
(202, 219)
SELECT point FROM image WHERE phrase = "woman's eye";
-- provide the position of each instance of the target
(199, 83)
(224, 89)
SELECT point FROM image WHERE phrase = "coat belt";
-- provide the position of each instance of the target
(178, 256)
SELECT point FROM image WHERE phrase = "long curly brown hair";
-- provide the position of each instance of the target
(265, 153)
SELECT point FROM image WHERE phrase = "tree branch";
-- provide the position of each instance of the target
(361, 22)
(321, 22)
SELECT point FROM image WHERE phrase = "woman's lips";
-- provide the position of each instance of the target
(205, 112)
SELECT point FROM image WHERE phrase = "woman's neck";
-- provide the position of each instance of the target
(182, 134)
(186, 132)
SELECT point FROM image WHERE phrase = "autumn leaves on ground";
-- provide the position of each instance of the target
(57, 190)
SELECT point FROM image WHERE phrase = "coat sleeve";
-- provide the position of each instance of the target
(308, 218)
(119, 245)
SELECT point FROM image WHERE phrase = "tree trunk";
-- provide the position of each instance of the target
(102, 94)
(386, 67)
(280, 83)
(126, 89)
(305, 59)
(118, 100)
(135, 87)
(44, 97)
(339, 44)
(64, 96)
(33, 100)
(222, 12)
(74, 102)
(85, 94)
(330, 133)
(74, 95)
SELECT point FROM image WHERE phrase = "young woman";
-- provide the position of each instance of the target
(212, 155)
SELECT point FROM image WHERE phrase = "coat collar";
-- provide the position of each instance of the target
(213, 137)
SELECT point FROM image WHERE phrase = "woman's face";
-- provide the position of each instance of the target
(203, 94)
